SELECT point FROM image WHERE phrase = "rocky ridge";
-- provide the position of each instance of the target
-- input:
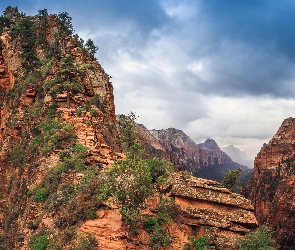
(272, 186)
(204, 160)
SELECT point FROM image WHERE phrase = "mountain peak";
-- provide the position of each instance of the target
(209, 144)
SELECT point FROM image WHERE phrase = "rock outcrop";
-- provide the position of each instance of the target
(202, 209)
(222, 215)
(272, 186)
(41, 191)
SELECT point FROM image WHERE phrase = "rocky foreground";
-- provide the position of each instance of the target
(202, 209)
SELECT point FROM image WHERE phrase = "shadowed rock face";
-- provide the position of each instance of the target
(272, 186)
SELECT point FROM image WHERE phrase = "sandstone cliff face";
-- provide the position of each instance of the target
(36, 196)
(272, 186)
(222, 215)
(182, 150)
(185, 153)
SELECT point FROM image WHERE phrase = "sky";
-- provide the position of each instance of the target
(215, 69)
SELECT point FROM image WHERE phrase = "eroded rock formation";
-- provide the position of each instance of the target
(222, 215)
(202, 209)
(272, 186)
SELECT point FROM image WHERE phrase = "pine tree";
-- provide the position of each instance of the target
(25, 33)
(90, 47)
(42, 27)
(67, 79)
(231, 180)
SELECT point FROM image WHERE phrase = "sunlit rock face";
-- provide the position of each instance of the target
(272, 186)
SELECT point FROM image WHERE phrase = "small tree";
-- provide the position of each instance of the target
(132, 180)
(66, 27)
(42, 27)
(231, 180)
(131, 139)
(67, 79)
(260, 239)
(90, 47)
(24, 32)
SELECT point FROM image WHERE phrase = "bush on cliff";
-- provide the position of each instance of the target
(260, 239)
(231, 180)
(133, 180)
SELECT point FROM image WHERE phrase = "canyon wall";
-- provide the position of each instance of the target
(272, 186)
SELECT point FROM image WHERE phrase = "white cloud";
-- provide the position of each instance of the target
(245, 122)
(181, 10)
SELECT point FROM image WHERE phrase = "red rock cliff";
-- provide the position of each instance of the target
(272, 186)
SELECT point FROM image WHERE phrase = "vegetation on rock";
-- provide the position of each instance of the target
(232, 181)
(133, 180)
(200, 243)
(37, 131)
(260, 239)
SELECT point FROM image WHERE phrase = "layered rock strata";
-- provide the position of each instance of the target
(201, 209)
(222, 215)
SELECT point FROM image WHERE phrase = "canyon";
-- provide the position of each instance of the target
(59, 136)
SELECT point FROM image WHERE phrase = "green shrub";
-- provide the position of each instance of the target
(52, 109)
(100, 104)
(39, 241)
(155, 225)
(90, 214)
(158, 236)
(260, 239)
(200, 243)
(74, 157)
(40, 195)
(231, 180)
(52, 135)
(132, 180)
(88, 123)
(18, 157)
(79, 111)
(86, 242)
(93, 112)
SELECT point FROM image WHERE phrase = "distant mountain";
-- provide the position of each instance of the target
(204, 160)
(238, 156)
